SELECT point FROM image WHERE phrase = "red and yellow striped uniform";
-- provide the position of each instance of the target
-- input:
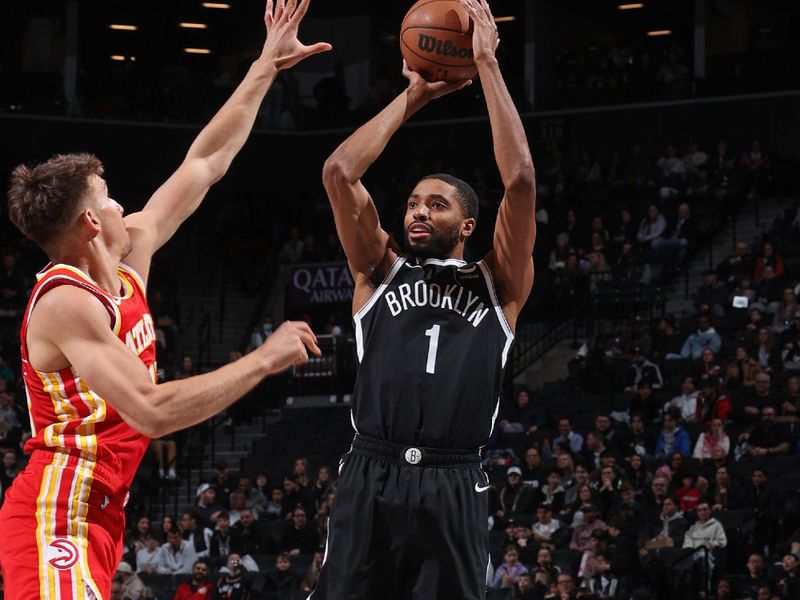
(63, 519)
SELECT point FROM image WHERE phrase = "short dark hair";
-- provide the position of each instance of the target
(43, 200)
(466, 195)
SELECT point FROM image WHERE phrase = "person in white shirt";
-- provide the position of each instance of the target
(176, 556)
(706, 536)
(686, 402)
(147, 557)
(545, 525)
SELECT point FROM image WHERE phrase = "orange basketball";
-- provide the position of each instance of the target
(436, 40)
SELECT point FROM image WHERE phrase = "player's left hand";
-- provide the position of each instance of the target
(282, 48)
(485, 37)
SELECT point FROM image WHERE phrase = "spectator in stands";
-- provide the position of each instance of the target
(8, 471)
(132, 586)
(526, 589)
(116, 590)
(176, 556)
(546, 526)
(275, 506)
(323, 484)
(300, 474)
(282, 579)
(769, 258)
(641, 441)
(680, 237)
(652, 227)
(711, 297)
(302, 537)
(238, 505)
(768, 437)
(614, 438)
(224, 482)
(206, 510)
(708, 441)
(706, 533)
(312, 575)
(639, 477)
(735, 267)
(582, 534)
(220, 545)
(755, 577)
(642, 371)
(603, 583)
(292, 496)
(566, 434)
(522, 416)
(147, 557)
(724, 591)
(166, 453)
(254, 499)
(534, 472)
(565, 588)
(790, 406)
(198, 536)
(711, 403)
(688, 493)
(593, 450)
(232, 585)
(763, 497)
(598, 542)
(768, 292)
(742, 370)
(788, 580)
(246, 539)
(705, 337)
(671, 524)
(553, 493)
(724, 494)
(747, 407)
(672, 438)
(200, 585)
(707, 368)
(560, 254)
(580, 477)
(667, 340)
(786, 310)
(626, 230)
(686, 403)
(261, 333)
(507, 574)
(515, 497)
(12, 288)
(767, 353)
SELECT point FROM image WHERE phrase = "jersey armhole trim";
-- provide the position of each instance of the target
(399, 262)
(487, 275)
(136, 277)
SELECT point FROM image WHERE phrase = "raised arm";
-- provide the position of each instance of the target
(511, 260)
(73, 326)
(364, 241)
(219, 142)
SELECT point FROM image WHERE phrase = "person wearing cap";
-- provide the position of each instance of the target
(206, 508)
(132, 586)
(642, 370)
(582, 534)
(515, 496)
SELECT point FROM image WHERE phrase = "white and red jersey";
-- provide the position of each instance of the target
(66, 415)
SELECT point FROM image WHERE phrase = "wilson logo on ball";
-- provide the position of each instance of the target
(428, 43)
(61, 554)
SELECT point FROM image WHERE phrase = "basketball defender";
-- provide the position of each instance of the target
(88, 350)
(433, 335)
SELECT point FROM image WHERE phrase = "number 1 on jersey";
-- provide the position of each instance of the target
(432, 333)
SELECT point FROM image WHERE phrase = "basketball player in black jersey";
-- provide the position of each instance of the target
(432, 335)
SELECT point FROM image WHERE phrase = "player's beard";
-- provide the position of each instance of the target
(440, 245)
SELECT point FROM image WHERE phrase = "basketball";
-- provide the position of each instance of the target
(436, 40)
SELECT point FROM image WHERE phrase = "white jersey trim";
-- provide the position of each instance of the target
(398, 263)
(501, 316)
(447, 262)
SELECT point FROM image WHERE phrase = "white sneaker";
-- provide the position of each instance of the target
(172, 474)
(161, 473)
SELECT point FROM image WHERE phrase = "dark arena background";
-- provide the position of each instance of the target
(656, 367)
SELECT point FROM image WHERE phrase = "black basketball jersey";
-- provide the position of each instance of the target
(432, 343)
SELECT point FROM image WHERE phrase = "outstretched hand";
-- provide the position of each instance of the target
(485, 37)
(419, 89)
(282, 48)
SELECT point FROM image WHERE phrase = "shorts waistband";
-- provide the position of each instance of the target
(415, 456)
(99, 472)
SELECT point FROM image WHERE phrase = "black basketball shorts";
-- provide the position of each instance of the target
(408, 523)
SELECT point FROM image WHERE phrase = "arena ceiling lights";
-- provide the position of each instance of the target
(185, 25)
(219, 5)
(631, 6)
(121, 27)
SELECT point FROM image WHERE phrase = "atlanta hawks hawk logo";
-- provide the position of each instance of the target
(61, 554)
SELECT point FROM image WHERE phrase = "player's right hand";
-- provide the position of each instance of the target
(289, 345)
(420, 90)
